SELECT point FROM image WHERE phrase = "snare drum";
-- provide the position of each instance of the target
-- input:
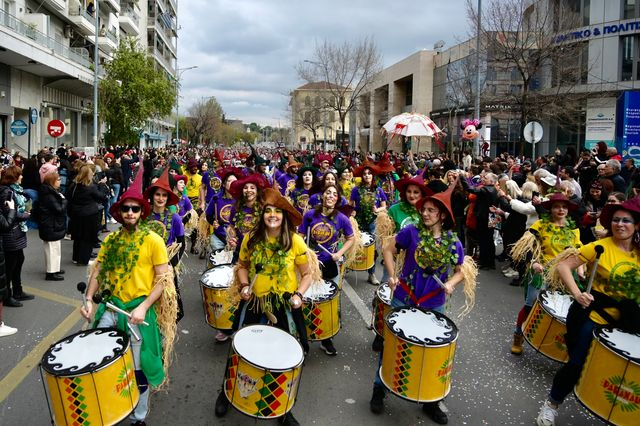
(365, 258)
(321, 310)
(381, 307)
(263, 371)
(219, 312)
(219, 257)
(90, 378)
(609, 384)
(417, 359)
(545, 327)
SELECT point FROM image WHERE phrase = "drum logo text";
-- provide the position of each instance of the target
(322, 232)
(225, 213)
(125, 381)
(444, 373)
(619, 391)
(246, 384)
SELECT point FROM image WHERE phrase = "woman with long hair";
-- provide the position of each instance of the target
(327, 179)
(345, 179)
(85, 205)
(594, 201)
(322, 227)
(613, 301)
(221, 208)
(368, 199)
(14, 238)
(52, 224)
(272, 256)
(306, 181)
(247, 193)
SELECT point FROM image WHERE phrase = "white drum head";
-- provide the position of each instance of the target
(320, 291)
(268, 347)
(85, 352)
(220, 257)
(367, 239)
(625, 344)
(384, 293)
(218, 276)
(421, 326)
(556, 303)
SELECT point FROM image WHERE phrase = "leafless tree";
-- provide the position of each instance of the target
(347, 68)
(205, 116)
(307, 115)
(520, 39)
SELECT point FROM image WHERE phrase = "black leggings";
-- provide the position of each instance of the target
(13, 263)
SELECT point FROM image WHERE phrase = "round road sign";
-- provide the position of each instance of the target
(55, 128)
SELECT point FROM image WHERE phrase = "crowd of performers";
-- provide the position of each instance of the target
(289, 226)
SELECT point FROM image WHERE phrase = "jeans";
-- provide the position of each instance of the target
(115, 187)
(110, 319)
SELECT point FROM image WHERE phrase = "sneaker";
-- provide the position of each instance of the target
(288, 420)
(222, 337)
(67, 237)
(373, 280)
(112, 220)
(377, 400)
(508, 270)
(222, 405)
(512, 274)
(547, 415)
(329, 349)
(435, 413)
(516, 346)
(5, 330)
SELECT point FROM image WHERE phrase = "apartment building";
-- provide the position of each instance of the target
(47, 63)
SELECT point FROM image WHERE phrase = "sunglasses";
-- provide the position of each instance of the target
(127, 208)
(625, 220)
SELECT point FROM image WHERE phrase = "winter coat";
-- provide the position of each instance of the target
(13, 237)
(85, 200)
(51, 214)
(7, 219)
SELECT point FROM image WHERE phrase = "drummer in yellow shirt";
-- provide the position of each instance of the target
(194, 182)
(270, 258)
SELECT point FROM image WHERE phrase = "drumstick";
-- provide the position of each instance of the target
(599, 250)
(253, 281)
(82, 288)
(440, 283)
(97, 298)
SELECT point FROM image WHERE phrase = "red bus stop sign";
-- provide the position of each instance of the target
(55, 128)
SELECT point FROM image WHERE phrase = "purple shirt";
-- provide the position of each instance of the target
(378, 194)
(324, 231)
(223, 210)
(420, 279)
(212, 182)
(176, 229)
(184, 205)
(300, 199)
(287, 183)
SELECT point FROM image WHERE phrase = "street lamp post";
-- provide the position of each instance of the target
(96, 64)
(178, 76)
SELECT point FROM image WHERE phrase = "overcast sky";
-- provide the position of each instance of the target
(246, 50)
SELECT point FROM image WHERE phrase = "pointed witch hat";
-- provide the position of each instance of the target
(134, 192)
(162, 183)
(443, 199)
(384, 165)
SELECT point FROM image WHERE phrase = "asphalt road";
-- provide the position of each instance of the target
(490, 386)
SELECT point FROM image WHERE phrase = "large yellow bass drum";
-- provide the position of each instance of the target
(90, 378)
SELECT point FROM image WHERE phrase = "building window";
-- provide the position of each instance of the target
(629, 9)
(629, 69)
(307, 101)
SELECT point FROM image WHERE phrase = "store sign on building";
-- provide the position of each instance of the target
(594, 31)
(19, 127)
(628, 125)
(600, 126)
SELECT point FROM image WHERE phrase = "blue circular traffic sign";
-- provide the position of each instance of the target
(19, 127)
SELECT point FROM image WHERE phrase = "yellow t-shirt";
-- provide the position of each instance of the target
(193, 185)
(152, 252)
(617, 276)
(555, 240)
(267, 281)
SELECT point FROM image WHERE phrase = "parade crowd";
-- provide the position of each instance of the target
(292, 221)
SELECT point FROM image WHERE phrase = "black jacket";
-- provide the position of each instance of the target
(487, 196)
(13, 238)
(85, 200)
(51, 214)
(7, 220)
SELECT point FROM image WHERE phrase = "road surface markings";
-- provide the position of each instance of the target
(361, 307)
(53, 296)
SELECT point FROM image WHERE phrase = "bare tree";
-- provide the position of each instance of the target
(348, 69)
(205, 116)
(307, 115)
(519, 37)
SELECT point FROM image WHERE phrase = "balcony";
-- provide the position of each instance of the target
(108, 40)
(114, 5)
(85, 23)
(166, 36)
(129, 21)
(56, 4)
(166, 63)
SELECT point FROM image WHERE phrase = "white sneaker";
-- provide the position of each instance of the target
(547, 415)
(5, 330)
(222, 337)
(373, 279)
(507, 270)
(67, 237)
(512, 274)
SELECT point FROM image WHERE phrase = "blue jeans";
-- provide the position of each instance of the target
(112, 200)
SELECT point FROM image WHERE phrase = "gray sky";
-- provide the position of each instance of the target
(246, 50)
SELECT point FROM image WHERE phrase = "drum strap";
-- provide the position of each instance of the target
(414, 299)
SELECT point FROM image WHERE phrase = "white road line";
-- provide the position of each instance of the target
(361, 307)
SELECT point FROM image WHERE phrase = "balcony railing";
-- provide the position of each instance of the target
(131, 13)
(77, 55)
(80, 11)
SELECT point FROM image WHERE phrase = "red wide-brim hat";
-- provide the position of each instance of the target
(357, 172)
(384, 165)
(631, 205)
(255, 178)
(402, 184)
(443, 198)
(559, 197)
(162, 183)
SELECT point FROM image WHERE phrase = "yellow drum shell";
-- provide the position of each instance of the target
(365, 258)
(609, 385)
(219, 311)
(322, 315)
(102, 397)
(545, 331)
(381, 307)
(258, 391)
(419, 373)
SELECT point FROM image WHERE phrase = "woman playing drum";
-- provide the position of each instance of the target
(547, 237)
(323, 226)
(270, 257)
(433, 266)
(614, 299)
(304, 183)
(247, 193)
(220, 209)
